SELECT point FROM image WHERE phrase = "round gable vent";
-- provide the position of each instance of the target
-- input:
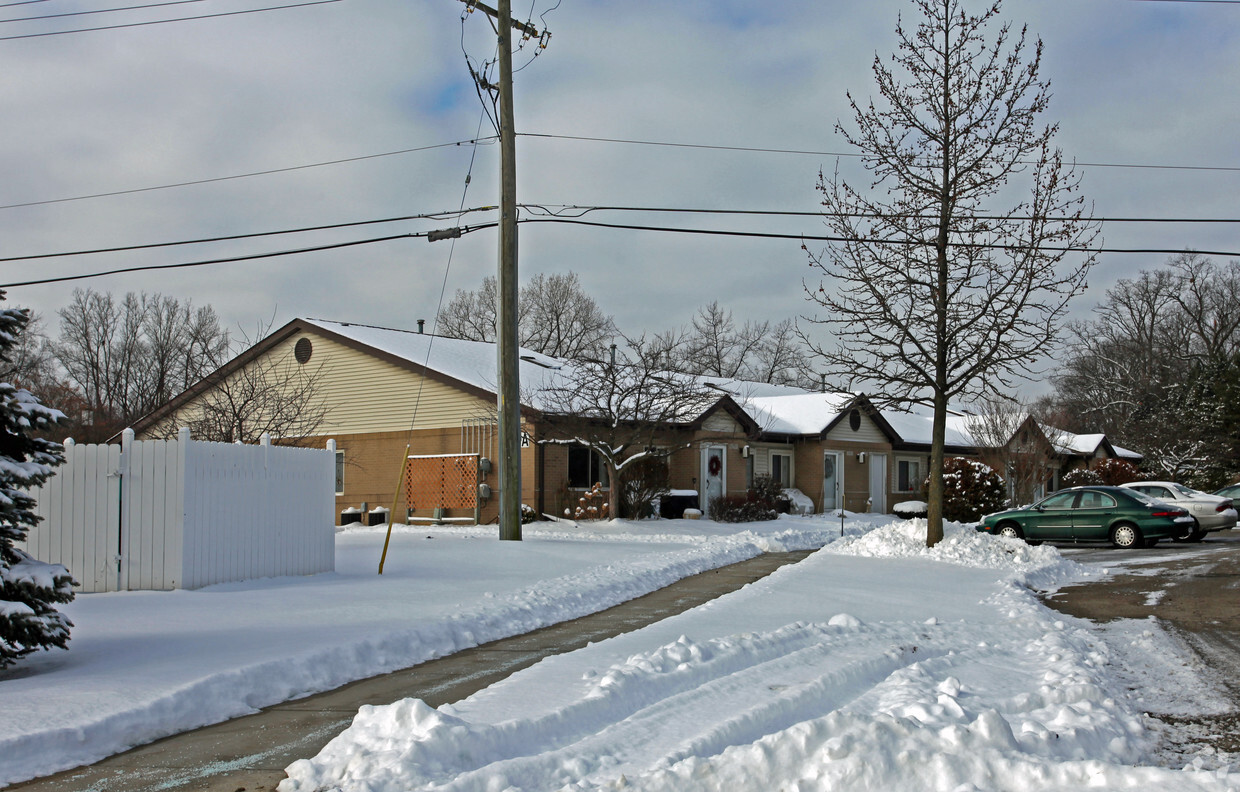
(302, 350)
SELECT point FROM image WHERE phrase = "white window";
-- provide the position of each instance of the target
(339, 472)
(908, 475)
(781, 468)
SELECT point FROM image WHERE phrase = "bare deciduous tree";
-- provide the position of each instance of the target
(127, 357)
(622, 408)
(243, 401)
(1154, 369)
(554, 317)
(931, 294)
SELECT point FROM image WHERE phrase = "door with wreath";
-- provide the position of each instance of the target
(714, 474)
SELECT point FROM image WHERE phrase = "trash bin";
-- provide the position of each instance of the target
(672, 505)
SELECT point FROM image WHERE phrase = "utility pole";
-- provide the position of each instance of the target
(508, 395)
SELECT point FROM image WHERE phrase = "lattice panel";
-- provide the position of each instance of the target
(442, 481)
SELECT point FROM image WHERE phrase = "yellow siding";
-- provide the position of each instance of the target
(868, 432)
(364, 394)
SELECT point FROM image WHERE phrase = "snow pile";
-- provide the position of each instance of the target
(961, 544)
(875, 664)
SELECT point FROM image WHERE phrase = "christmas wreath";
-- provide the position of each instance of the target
(715, 465)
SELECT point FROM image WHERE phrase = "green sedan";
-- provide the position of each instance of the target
(1124, 517)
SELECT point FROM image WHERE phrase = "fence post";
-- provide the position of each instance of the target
(122, 550)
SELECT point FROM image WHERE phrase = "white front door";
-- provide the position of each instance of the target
(878, 483)
(714, 474)
(832, 482)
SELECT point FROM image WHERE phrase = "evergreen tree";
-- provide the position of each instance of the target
(28, 588)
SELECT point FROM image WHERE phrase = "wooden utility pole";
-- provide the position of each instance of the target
(509, 401)
(509, 391)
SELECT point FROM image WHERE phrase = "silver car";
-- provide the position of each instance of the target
(1210, 512)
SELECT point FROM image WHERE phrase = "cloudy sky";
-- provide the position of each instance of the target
(1145, 93)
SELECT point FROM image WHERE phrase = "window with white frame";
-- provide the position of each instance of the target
(781, 468)
(339, 472)
(585, 468)
(908, 475)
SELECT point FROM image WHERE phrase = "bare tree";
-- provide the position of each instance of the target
(129, 356)
(554, 316)
(624, 408)
(933, 294)
(1155, 369)
(239, 403)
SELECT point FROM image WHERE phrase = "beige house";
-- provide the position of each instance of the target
(381, 393)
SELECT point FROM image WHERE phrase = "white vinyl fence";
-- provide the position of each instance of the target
(169, 514)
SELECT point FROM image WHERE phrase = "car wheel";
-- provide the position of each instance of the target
(1192, 533)
(1011, 530)
(1126, 536)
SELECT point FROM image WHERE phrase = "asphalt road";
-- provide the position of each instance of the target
(1193, 590)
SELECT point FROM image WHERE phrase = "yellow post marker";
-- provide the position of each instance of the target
(404, 462)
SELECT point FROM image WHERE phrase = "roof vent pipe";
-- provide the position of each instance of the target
(421, 326)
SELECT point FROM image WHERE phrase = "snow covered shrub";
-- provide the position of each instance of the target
(28, 588)
(910, 509)
(1080, 477)
(528, 515)
(1116, 471)
(970, 489)
(645, 481)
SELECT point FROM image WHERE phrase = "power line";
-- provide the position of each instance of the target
(580, 211)
(100, 11)
(854, 155)
(825, 238)
(252, 235)
(230, 259)
(584, 210)
(166, 21)
(246, 175)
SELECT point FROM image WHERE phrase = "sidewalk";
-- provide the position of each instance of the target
(250, 753)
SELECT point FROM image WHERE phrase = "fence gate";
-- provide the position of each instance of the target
(442, 481)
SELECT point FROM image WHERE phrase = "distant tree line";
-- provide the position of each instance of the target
(557, 317)
(1157, 369)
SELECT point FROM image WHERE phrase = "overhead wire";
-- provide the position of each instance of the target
(268, 172)
(251, 235)
(844, 239)
(233, 259)
(852, 154)
(168, 21)
(100, 11)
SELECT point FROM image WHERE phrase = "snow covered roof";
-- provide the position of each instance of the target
(797, 414)
(1080, 443)
(471, 362)
(917, 425)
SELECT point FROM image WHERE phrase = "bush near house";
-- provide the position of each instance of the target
(970, 490)
(764, 501)
(1081, 477)
(1114, 472)
(645, 482)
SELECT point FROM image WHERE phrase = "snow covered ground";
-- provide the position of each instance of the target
(874, 664)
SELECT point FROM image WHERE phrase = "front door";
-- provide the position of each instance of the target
(832, 482)
(878, 483)
(714, 474)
